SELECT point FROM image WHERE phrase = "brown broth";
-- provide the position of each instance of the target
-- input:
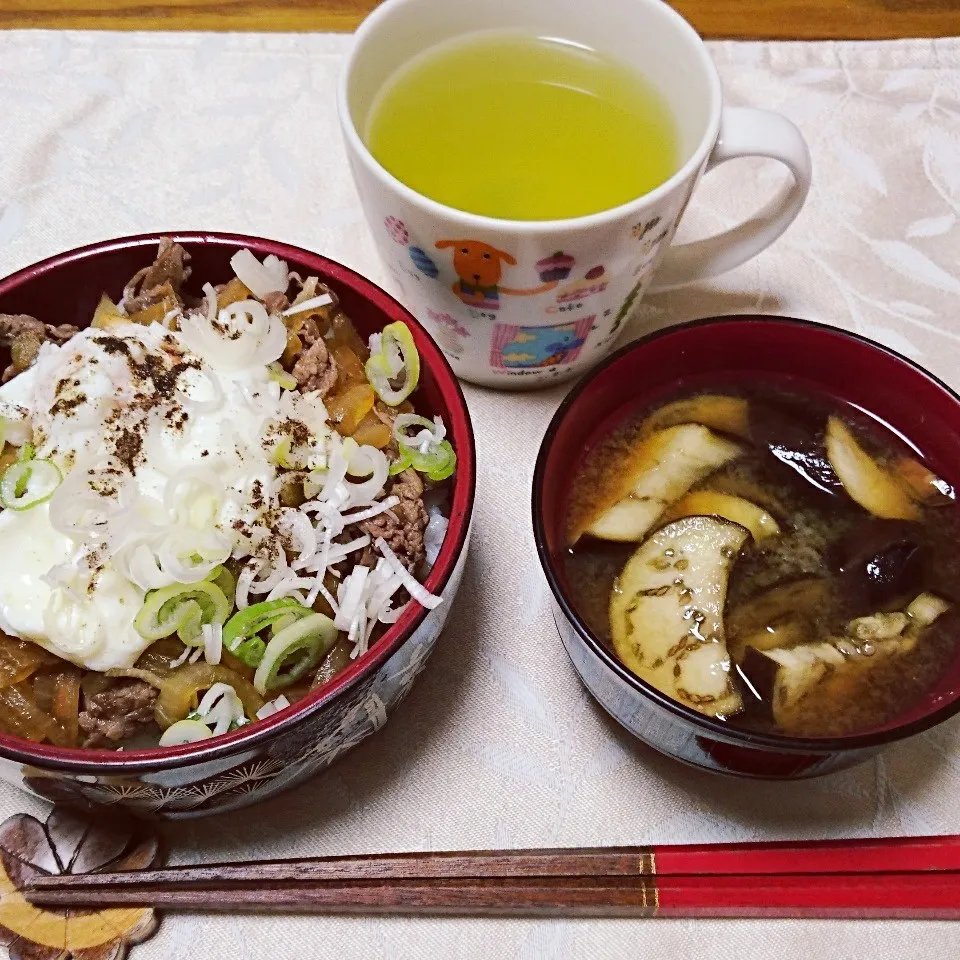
(813, 523)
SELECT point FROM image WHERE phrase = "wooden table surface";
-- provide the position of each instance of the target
(744, 19)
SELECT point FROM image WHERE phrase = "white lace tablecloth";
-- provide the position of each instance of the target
(498, 745)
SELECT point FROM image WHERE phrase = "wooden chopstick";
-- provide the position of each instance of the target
(927, 895)
(888, 855)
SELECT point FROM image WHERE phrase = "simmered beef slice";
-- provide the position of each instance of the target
(117, 713)
(315, 369)
(402, 527)
(276, 302)
(24, 335)
(163, 278)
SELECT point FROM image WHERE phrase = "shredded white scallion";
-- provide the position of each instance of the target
(312, 304)
(413, 585)
(273, 706)
(212, 642)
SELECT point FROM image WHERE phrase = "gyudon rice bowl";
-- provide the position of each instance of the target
(213, 504)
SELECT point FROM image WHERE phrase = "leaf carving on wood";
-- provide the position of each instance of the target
(71, 842)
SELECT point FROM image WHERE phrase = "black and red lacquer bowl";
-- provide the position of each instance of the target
(916, 404)
(258, 761)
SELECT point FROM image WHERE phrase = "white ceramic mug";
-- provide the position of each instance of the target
(528, 303)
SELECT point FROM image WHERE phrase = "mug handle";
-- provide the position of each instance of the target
(744, 132)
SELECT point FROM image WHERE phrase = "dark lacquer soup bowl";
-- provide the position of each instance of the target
(259, 760)
(828, 361)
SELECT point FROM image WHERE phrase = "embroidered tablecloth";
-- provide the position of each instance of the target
(498, 745)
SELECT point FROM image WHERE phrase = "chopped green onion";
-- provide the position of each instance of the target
(286, 380)
(240, 631)
(281, 454)
(392, 354)
(439, 464)
(293, 651)
(402, 462)
(182, 608)
(27, 452)
(26, 483)
(225, 580)
(425, 451)
(188, 730)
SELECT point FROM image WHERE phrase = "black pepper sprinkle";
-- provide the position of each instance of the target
(113, 345)
(128, 447)
(66, 405)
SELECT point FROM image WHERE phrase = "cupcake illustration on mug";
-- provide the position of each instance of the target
(555, 268)
(572, 296)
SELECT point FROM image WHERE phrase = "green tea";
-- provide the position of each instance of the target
(522, 127)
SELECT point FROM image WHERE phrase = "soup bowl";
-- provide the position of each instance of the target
(887, 386)
(263, 758)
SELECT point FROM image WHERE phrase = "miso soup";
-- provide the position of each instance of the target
(769, 557)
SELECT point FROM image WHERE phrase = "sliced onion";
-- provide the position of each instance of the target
(212, 642)
(182, 545)
(266, 584)
(244, 579)
(430, 435)
(304, 536)
(367, 460)
(252, 338)
(139, 564)
(204, 406)
(336, 471)
(185, 731)
(288, 585)
(311, 304)
(272, 707)
(221, 708)
(78, 513)
(260, 278)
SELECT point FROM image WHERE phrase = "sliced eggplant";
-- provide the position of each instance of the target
(666, 612)
(782, 679)
(715, 410)
(709, 503)
(878, 562)
(660, 469)
(875, 488)
(780, 635)
(797, 443)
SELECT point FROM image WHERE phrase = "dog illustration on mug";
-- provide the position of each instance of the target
(479, 267)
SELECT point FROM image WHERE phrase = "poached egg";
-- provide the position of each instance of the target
(168, 447)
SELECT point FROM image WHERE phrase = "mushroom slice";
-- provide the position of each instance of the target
(923, 483)
(659, 470)
(709, 503)
(876, 489)
(802, 686)
(715, 410)
(666, 612)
